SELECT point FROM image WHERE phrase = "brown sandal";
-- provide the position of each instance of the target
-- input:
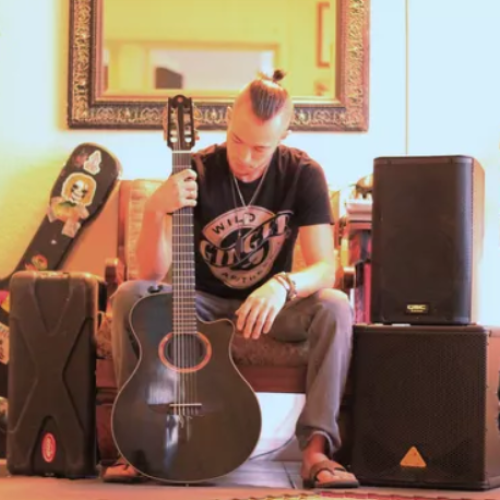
(122, 472)
(343, 479)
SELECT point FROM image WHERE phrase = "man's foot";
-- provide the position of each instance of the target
(121, 472)
(318, 471)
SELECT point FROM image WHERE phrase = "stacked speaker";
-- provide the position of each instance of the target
(426, 375)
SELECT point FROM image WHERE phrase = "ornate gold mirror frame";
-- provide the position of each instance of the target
(88, 108)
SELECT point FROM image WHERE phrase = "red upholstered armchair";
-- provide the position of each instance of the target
(268, 365)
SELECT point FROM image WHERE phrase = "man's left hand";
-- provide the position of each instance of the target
(257, 314)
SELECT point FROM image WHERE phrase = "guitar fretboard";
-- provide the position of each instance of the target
(183, 260)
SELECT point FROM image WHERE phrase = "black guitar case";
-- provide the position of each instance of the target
(51, 427)
(79, 193)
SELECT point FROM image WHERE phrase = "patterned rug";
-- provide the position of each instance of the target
(344, 495)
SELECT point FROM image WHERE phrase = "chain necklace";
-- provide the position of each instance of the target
(246, 214)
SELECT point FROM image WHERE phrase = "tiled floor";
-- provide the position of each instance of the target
(254, 479)
(257, 479)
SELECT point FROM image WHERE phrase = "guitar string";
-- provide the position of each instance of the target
(178, 325)
(180, 297)
(175, 302)
(174, 305)
(185, 300)
(189, 298)
(194, 334)
(189, 294)
(180, 322)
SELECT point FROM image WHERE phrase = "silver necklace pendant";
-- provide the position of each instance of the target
(247, 218)
(254, 196)
(238, 246)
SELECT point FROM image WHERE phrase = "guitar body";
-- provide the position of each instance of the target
(186, 414)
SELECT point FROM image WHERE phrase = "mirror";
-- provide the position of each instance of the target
(128, 56)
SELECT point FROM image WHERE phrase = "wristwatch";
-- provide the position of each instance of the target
(286, 280)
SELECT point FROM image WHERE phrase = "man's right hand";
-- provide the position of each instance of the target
(179, 190)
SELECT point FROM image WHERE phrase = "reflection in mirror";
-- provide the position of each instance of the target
(128, 56)
(213, 48)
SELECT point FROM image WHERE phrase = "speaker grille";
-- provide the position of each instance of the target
(424, 390)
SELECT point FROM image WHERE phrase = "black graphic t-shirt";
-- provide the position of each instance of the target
(239, 248)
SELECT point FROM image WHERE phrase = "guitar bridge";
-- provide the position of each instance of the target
(190, 409)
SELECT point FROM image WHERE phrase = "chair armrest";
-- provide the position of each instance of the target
(114, 274)
(344, 278)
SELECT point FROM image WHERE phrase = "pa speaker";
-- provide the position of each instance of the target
(426, 406)
(428, 215)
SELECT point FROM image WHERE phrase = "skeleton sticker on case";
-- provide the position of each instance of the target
(77, 193)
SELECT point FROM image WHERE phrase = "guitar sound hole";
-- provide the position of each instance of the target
(185, 351)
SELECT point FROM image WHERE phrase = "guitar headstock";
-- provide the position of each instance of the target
(178, 123)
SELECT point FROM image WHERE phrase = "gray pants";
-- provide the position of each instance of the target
(324, 317)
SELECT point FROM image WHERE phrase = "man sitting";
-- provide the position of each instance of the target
(254, 179)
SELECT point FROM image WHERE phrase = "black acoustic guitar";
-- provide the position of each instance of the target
(186, 414)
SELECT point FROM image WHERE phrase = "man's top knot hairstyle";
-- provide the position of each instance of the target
(267, 95)
(278, 75)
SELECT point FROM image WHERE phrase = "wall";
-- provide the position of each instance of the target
(453, 107)
(35, 141)
(454, 103)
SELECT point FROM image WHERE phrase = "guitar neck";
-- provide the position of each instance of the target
(183, 261)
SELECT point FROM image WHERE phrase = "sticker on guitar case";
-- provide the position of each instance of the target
(38, 263)
(77, 193)
(4, 344)
(93, 163)
(49, 447)
(4, 300)
(86, 157)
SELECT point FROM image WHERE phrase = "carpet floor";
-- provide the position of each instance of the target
(260, 479)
